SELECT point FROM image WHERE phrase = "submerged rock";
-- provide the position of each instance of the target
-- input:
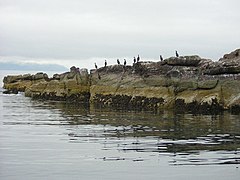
(11, 91)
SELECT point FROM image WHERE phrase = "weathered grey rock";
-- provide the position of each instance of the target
(207, 84)
(218, 70)
(233, 55)
(27, 77)
(229, 64)
(56, 77)
(40, 75)
(12, 79)
(183, 61)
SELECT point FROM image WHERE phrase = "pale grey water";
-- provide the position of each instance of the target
(55, 140)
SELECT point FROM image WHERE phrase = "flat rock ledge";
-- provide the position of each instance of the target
(185, 84)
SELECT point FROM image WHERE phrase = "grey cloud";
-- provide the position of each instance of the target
(77, 29)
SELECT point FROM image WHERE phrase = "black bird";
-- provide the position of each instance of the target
(177, 55)
(161, 58)
(105, 63)
(138, 58)
(118, 61)
(134, 60)
(125, 62)
(95, 65)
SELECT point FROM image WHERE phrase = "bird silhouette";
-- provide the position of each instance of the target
(118, 61)
(125, 62)
(105, 63)
(138, 58)
(95, 65)
(177, 55)
(161, 58)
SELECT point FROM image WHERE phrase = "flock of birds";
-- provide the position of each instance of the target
(135, 60)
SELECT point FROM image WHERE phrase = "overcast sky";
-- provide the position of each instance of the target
(81, 32)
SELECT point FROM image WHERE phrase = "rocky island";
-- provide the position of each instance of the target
(185, 83)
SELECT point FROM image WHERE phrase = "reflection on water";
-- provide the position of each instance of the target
(69, 135)
(181, 136)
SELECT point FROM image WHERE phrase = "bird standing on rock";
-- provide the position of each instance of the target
(125, 62)
(134, 60)
(161, 58)
(118, 61)
(95, 65)
(105, 63)
(138, 58)
(177, 55)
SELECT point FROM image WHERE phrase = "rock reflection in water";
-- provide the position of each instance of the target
(188, 138)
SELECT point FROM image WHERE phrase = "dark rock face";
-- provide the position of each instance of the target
(195, 107)
(11, 91)
(76, 98)
(235, 109)
(128, 102)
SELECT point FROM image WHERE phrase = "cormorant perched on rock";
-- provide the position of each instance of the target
(138, 58)
(105, 63)
(125, 62)
(95, 65)
(118, 61)
(177, 55)
(161, 58)
(134, 60)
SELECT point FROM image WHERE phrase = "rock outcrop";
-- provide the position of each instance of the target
(21, 82)
(229, 64)
(185, 83)
(69, 86)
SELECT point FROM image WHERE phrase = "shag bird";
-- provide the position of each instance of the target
(105, 63)
(177, 55)
(125, 62)
(138, 58)
(161, 58)
(118, 61)
(95, 65)
(134, 60)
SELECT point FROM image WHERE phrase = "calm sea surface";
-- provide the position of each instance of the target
(57, 140)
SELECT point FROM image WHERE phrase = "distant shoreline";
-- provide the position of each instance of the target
(31, 67)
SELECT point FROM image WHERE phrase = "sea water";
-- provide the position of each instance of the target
(58, 140)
